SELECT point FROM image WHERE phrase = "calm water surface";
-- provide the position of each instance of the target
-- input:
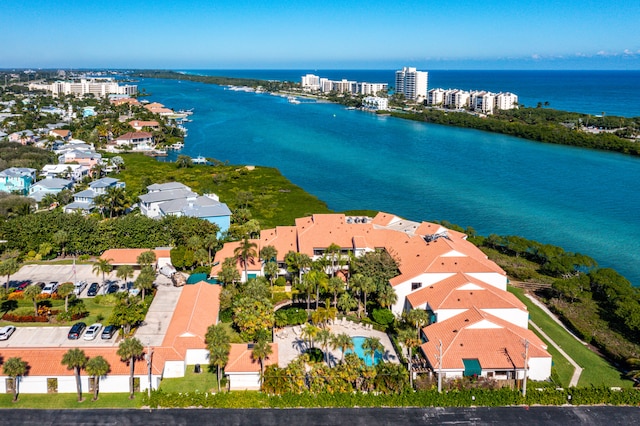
(582, 200)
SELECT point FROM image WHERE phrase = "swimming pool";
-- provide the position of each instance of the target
(357, 343)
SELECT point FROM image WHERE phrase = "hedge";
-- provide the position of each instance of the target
(456, 398)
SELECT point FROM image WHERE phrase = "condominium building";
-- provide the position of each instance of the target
(435, 97)
(457, 99)
(483, 101)
(310, 82)
(506, 100)
(100, 88)
(371, 88)
(375, 103)
(412, 83)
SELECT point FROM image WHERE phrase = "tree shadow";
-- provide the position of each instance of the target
(8, 305)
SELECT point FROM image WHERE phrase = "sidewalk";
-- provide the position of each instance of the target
(155, 326)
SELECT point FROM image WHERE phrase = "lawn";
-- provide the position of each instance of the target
(596, 370)
(205, 381)
(70, 400)
(97, 313)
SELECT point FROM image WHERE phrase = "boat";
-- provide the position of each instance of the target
(293, 100)
(199, 160)
(177, 146)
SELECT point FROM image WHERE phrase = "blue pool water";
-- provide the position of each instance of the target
(357, 343)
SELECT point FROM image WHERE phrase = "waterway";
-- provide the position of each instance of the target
(582, 200)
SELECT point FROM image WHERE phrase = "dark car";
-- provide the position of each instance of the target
(113, 288)
(76, 330)
(23, 285)
(93, 289)
(108, 332)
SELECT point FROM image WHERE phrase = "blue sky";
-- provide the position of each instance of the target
(373, 34)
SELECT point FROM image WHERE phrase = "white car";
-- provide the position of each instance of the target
(50, 288)
(79, 287)
(93, 331)
(6, 332)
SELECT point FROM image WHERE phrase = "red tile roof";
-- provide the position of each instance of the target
(48, 361)
(130, 256)
(241, 361)
(497, 344)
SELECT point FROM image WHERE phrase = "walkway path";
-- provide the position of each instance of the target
(577, 369)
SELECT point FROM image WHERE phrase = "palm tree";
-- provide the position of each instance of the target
(118, 200)
(419, 318)
(324, 337)
(218, 342)
(333, 253)
(146, 258)
(145, 280)
(309, 331)
(245, 251)
(271, 270)
(210, 242)
(15, 367)
(97, 367)
(344, 342)
(65, 290)
(335, 286)
(409, 340)
(102, 266)
(370, 346)
(268, 254)
(31, 293)
(129, 350)
(9, 267)
(346, 302)
(387, 296)
(364, 285)
(75, 360)
(124, 272)
(261, 350)
(200, 256)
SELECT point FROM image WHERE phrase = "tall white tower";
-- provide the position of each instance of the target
(412, 83)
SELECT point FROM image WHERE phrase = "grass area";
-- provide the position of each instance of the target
(206, 381)
(272, 198)
(95, 311)
(596, 370)
(70, 400)
(562, 367)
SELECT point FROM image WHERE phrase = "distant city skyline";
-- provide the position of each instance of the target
(373, 34)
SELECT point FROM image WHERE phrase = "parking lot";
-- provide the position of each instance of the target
(51, 337)
(65, 273)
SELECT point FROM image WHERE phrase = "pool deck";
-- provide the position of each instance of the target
(291, 345)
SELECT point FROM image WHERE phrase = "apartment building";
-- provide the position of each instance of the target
(412, 83)
(100, 88)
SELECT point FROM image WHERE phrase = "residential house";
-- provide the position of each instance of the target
(138, 141)
(140, 124)
(475, 343)
(17, 179)
(60, 134)
(49, 185)
(176, 199)
(84, 200)
(84, 157)
(23, 137)
(243, 370)
(75, 172)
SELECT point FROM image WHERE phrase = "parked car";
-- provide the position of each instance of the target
(93, 289)
(23, 285)
(40, 284)
(79, 287)
(93, 331)
(108, 332)
(50, 288)
(76, 330)
(113, 288)
(6, 332)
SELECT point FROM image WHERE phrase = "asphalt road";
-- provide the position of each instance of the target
(530, 416)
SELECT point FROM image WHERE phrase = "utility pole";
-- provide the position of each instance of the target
(525, 355)
(439, 358)
(149, 358)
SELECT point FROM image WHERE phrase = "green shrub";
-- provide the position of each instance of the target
(226, 315)
(383, 316)
(106, 299)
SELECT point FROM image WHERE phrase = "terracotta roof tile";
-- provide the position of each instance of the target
(241, 361)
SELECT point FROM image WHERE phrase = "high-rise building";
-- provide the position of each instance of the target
(412, 83)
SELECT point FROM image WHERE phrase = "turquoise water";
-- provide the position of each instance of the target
(357, 345)
(585, 201)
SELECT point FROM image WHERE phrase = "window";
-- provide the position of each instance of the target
(415, 286)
